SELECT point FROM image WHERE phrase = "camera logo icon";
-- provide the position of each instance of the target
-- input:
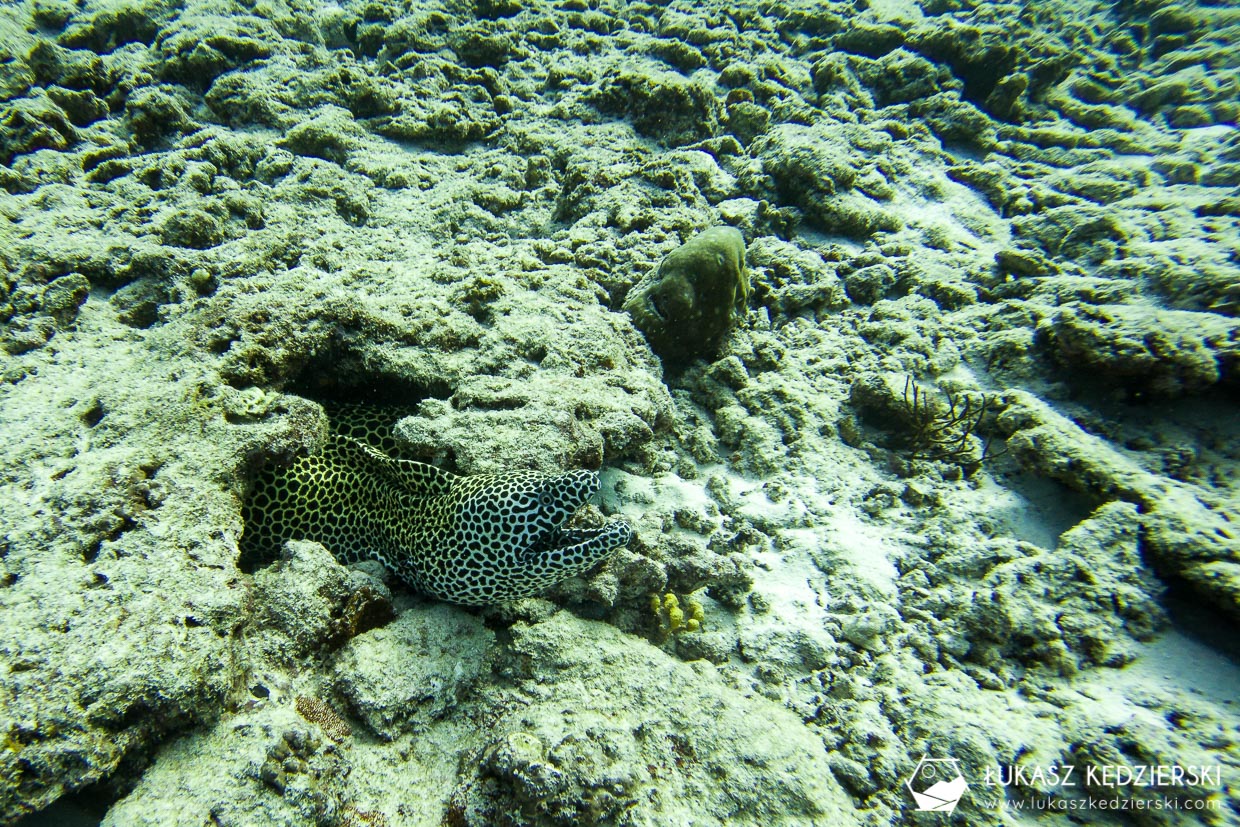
(937, 784)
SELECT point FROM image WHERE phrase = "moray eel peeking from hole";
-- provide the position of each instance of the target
(475, 540)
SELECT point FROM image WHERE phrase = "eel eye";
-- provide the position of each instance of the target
(545, 498)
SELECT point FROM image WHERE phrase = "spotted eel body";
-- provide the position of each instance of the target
(475, 540)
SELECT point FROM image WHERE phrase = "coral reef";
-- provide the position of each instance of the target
(1154, 353)
(219, 214)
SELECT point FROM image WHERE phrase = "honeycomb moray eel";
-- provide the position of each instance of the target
(475, 540)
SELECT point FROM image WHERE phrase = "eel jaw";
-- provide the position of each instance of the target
(610, 536)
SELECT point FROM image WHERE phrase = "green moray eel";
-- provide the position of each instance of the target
(475, 540)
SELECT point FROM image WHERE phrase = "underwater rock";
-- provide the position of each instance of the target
(1082, 604)
(272, 763)
(1161, 353)
(795, 279)
(30, 124)
(308, 601)
(620, 732)
(685, 306)
(1186, 530)
(662, 105)
(828, 173)
(525, 430)
(407, 675)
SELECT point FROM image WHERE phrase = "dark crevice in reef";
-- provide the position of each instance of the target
(360, 403)
(365, 390)
(84, 808)
(339, 376)
(1200, 620)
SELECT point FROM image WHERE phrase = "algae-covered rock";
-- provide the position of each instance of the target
(64, 296)
(1165, 353)
(412, 672)
(1082, 604)
(1186, 530)
(828, 172)
(662, 105)
(613, 731)
(685, 306)
(308, 601)
(30, 124)
(795, 279)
